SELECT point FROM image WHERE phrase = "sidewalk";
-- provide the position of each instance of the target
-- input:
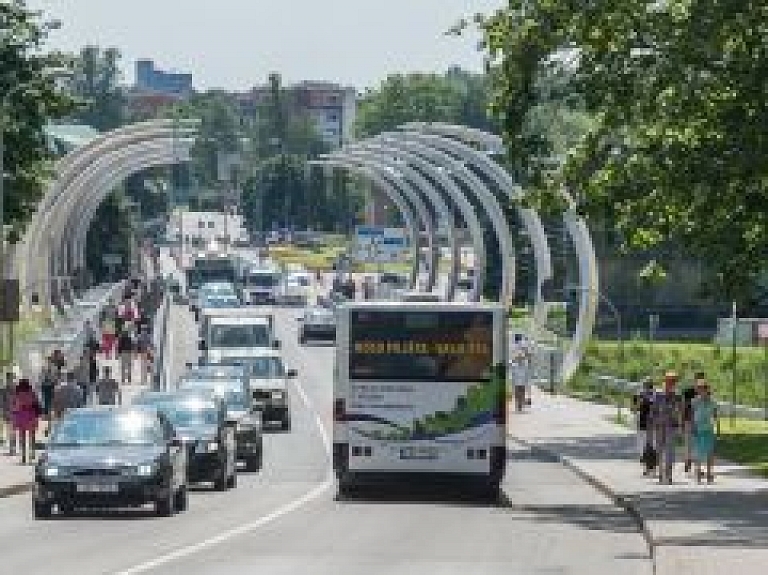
(691, 529)
(17, 478)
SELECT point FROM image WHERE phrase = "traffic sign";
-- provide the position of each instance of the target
(376, 244)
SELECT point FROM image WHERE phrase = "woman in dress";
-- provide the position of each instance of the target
(25, 411)
(705, 425)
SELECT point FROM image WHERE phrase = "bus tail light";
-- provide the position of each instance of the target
(339, 410)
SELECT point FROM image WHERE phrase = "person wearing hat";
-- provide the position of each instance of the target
(706, 426)
(668, 421)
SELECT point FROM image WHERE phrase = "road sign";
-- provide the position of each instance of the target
(380, 245)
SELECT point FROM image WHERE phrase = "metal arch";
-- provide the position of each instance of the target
(36, 240)
(82, 190)
(411, 192)
(514, 193)
(106, 180)
(98, 182)
(490, 204)
(585, 252)
(387, 156)
(409, 151)
(396, 197)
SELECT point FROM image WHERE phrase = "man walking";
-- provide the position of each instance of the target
(108, 390)
(66, 395)
(668, 421)
(125, 349)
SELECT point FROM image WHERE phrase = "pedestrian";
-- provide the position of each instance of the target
(688, 393)
(145, 352)
(108, 336)
(668, 421)
(125, 351)
(58, 361)
(66, 396)
(6, 424)
(82, 373)
(48, 380)
(108, 390)
(706, 425)
(642, 405)
(518, 372)
(25, 413)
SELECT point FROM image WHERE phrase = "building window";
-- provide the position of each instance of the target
(201, 224)
(333, 117)
(210, 225)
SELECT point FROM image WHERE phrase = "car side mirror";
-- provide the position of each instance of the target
(291, 373)
(276, 344)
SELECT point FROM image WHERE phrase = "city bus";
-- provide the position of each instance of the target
(420, 393)
(209, 267)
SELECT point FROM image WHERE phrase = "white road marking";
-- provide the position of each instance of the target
(258, 523)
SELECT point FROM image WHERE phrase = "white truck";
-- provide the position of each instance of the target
(419, 392)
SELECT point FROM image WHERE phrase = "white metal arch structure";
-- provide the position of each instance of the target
(412, 195)
(513, 193)
(409, 152)
(34, 251)
(97, 183)
(582, 241)
(389, 157)
(392, 193)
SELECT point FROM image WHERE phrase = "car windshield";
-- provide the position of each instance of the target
(262, 280)
(218, 302)
(226, 336)
(107, 428)
(230, 392)
(264, 367)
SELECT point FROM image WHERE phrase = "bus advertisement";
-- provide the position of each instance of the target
(420, 388)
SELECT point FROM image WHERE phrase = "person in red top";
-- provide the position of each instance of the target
(25, 413)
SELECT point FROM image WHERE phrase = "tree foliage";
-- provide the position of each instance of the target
(677, 151)
(29, 99)
(96, 77)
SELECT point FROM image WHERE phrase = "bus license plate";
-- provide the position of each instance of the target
(97, 488)
(424, 452)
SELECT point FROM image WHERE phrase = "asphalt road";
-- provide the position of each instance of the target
(286, 520)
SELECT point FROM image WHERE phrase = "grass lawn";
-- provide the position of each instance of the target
(744, 442)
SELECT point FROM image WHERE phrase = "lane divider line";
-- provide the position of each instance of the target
(262, 521)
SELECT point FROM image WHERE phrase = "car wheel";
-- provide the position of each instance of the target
(42, 510)
(181, 501)
(302, 340)
(65, 509)
(232, 480)
(221, 481)
(287, 424)
(253, 463)
(164, 506)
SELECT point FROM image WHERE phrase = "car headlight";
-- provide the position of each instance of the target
(277, 395)
(212, 446)
(145, 470)
(51, 471)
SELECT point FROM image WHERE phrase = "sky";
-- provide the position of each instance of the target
(235, 44)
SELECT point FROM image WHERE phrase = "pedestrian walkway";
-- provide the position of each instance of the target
(692, 529)
(17, 478)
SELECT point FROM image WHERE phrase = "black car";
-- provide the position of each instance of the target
(317, 324)
(111, 457)
(235, 394)
(208, 435)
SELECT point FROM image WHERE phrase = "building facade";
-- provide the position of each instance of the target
(151, 79)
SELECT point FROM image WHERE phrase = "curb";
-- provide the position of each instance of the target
(9, 490)
(618, 499)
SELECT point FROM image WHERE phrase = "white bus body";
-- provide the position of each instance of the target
(420, 389)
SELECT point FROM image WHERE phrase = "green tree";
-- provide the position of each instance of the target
(676, 92)
(30, 99)
(96, 77)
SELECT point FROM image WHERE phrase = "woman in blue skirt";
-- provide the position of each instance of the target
(705, 425)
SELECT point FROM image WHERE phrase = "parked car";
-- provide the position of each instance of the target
(317, 324)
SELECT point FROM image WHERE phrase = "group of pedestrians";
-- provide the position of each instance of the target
(670, 420)
(26, 408)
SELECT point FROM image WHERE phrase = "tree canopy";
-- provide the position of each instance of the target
(29, 99)
(676, 151)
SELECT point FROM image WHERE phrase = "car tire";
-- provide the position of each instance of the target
(164, 507)
(232, 480)
(181, 501)
(42, 510)
(220, 483)
(253, 463)
(287, 424)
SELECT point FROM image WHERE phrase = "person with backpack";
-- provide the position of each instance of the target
(25, 413)
(668, 421)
